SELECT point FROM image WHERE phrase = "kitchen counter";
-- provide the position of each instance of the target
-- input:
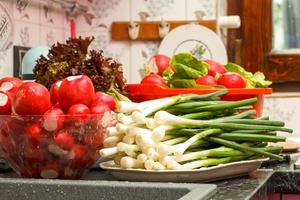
(270, 179)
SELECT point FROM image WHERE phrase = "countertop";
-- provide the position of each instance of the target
(260, 184)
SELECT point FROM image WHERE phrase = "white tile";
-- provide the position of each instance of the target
(6, 63)
(28, 11)
(141, 52)
(207, 6)
(158, 10)
(284, 109)
(119, 51)
(52, 14)
(26, 34)
(103, 13)
(50, 36)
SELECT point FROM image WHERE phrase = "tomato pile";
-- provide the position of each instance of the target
(56, 133)
(184, 70)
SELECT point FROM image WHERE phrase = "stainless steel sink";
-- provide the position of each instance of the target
(101, 187)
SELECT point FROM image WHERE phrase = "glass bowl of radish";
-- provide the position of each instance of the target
(53, 133)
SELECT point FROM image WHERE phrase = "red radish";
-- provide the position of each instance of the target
(35, 155)
(34, 133)
(94, 140)
(8, 145)
(102, 98)
(162, 62)
(10, 84)
(31, 99)
(5, 103)
(154, 79)
(78, 156)
(53, 119)
(51, 170)
(29, 171)
(54, 91)
(76, 90)
(206, 80)
(232, 80)
(64, 140)
(215, 67)
(99, 109)
(79, 112)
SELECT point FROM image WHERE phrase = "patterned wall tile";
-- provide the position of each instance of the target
(102, 13)
(27, 10)
(6, 63)
(26, 34)
(197, 8)
(51, 14)
(50, 36)
(158, 10)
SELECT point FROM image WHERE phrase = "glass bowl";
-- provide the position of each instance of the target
(62, 147)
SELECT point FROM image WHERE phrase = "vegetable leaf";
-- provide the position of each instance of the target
(182, 71)
(191, 61)
(256, 80)
(191, 83)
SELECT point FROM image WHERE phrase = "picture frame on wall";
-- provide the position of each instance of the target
(18, 54)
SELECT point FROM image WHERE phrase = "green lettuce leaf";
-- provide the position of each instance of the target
(191, 83)
(256, 80)
(185, 72)
(190, 61)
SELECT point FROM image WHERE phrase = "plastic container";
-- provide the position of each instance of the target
(144, 92)
(35, 151)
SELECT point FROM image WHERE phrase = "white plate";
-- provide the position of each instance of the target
(208, 174)
(186, 38)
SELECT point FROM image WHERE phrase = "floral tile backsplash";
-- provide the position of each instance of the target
(34, 22)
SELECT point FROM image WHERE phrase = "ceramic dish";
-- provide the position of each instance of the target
(208, 174)
(190, 37)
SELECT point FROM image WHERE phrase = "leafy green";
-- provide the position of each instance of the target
(191, 83)
(185, 69)
(190, 61)
(256, 80)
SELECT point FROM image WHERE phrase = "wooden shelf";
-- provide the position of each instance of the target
(149, 30)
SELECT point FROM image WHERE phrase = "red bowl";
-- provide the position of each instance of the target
(66, 153)
(144, 92)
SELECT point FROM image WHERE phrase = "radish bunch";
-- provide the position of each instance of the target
(56, 133)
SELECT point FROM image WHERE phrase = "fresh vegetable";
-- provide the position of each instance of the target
(64, 140)
(256, 80)
(160, 63)
(206, 80)
(83, 88)
(215, 67)
(5, 103)
(102, 98)
(231, 80)
(54, 91)
(73, 58)
(53, 119)
(190, 131)
(10, 84)
(78, 112)
(31, 99)
(154, 79)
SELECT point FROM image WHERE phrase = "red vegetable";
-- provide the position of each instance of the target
(31, 99)
(53, 119)
(81, 110)
(64, 140)
(232, 80)
(76, 90)
(54, 91)
(206, 80)
(215, 67)
(94, 140)
(154, 79)
(79, 156)
(5, 103)
(162, 63)
(10, 84)
(34, 133)
(102, 98)
(99, 109)
(35, 155)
